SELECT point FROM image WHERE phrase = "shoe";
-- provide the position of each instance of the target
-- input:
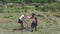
(31, 30)
(36, 30)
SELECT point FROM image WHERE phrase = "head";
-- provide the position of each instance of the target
(33, 14)
(22, 14)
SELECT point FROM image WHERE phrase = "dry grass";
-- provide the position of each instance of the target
(48, 24)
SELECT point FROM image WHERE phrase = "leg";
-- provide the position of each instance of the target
(31, 29)
(32, 26)
(35, 27)
(21, 24)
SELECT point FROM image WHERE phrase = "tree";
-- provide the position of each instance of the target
(28, 1)
(50, 1)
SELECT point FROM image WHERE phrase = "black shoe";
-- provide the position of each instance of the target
(35, 29)
(21, 28)
(31, 30)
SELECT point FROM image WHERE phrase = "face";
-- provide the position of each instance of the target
(33, 14)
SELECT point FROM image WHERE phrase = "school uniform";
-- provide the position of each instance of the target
(21, 20)
(34, 22)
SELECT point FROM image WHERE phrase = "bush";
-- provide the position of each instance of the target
(8, 16)
(1, 11)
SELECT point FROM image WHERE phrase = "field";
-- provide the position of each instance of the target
(48, 19)
(48, 23)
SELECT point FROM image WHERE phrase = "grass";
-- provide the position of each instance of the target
(46, 25)
(48, 21)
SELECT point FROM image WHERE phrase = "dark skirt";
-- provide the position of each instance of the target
(33, 24)
(20, 21)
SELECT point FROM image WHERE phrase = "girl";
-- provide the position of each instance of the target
(34, 22)
(20, 21)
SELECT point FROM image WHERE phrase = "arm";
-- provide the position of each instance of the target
(36, 19)
(25, 21)
(29, 17)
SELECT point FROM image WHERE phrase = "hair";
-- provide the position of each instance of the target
(33, 14)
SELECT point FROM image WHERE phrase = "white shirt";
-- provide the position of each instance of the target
(21, 17)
